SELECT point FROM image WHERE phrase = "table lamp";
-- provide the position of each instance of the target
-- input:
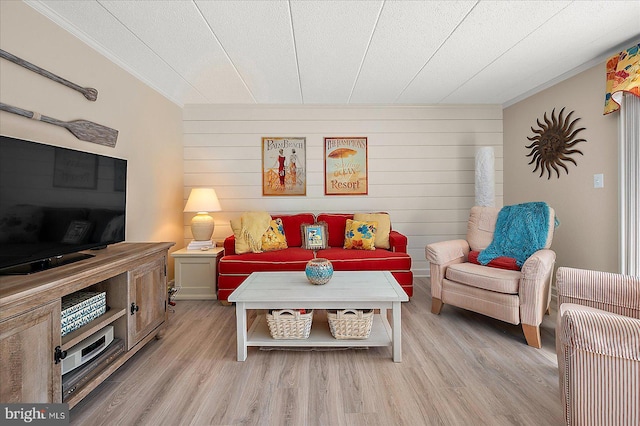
(202, 201)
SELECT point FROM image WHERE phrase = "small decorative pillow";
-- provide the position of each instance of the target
(501, 262)
(382, 230)
(274, 238)
(360, 235)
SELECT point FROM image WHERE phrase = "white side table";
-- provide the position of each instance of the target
(197, 273)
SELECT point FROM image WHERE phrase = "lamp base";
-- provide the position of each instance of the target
(202, 227)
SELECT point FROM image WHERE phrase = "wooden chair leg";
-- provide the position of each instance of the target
(436, 306)
(532, 335)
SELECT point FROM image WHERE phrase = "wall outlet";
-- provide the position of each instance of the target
(598, 180)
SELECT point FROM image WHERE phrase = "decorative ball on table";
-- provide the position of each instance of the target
(319, 271)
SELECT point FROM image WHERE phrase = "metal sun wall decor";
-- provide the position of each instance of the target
(552, 143)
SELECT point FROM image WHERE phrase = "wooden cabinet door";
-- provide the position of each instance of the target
(148, 299)
(27, 347)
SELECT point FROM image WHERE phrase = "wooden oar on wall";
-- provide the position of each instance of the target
(88, 92)
(81, 129)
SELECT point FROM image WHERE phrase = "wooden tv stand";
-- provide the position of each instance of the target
(134, 277)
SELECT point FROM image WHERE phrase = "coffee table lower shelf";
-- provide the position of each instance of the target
(320, 336)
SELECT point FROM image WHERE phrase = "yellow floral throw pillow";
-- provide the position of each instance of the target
(360, 235)
(274, 238)
(382, 230)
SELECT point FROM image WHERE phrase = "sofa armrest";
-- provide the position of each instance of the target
(397, 242)
(444, 252)
(535, 286)
(610, 292)
(230, 245)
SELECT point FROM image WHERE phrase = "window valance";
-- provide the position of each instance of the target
(623, 75)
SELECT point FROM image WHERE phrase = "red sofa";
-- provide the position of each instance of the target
(234, 268)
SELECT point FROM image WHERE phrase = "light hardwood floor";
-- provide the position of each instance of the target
(459, 368)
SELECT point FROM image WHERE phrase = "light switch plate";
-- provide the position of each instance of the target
(598, 180)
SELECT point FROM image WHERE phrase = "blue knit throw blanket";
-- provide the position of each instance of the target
(521, 230)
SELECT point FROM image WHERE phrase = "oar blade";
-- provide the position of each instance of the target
(92, 132)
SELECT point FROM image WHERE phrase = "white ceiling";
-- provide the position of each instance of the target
(349, 52)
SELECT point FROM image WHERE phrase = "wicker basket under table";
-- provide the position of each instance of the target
(289, 324)
(350, 323)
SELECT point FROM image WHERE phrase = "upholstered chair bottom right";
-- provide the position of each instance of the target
(598, 347)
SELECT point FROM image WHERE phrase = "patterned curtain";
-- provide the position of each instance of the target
(623, 75)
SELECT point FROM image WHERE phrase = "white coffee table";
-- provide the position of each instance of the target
(292, 290)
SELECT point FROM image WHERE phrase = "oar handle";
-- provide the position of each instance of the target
(88, 92)
(30, 114)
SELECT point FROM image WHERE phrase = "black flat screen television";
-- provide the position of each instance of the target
(56, 202)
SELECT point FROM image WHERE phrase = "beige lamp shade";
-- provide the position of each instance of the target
(202, 201)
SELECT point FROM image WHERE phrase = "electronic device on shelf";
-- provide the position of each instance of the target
(88, 349)
(56, 203)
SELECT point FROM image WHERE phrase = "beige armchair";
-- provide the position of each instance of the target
(598, 346)
(517, 297)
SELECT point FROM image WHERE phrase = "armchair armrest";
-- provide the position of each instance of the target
(397, 242)
(599, 332)
(445, 252)
(535, 286)
(598, 363)
(440, 255)
(610, 292)
(539, 264)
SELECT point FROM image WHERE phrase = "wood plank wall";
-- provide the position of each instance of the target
(421, 162)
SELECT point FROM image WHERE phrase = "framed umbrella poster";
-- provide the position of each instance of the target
(345, 166)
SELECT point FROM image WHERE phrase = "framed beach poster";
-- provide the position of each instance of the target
(284, 166)
(345, 166)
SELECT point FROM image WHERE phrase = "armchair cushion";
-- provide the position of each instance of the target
(493, 279)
